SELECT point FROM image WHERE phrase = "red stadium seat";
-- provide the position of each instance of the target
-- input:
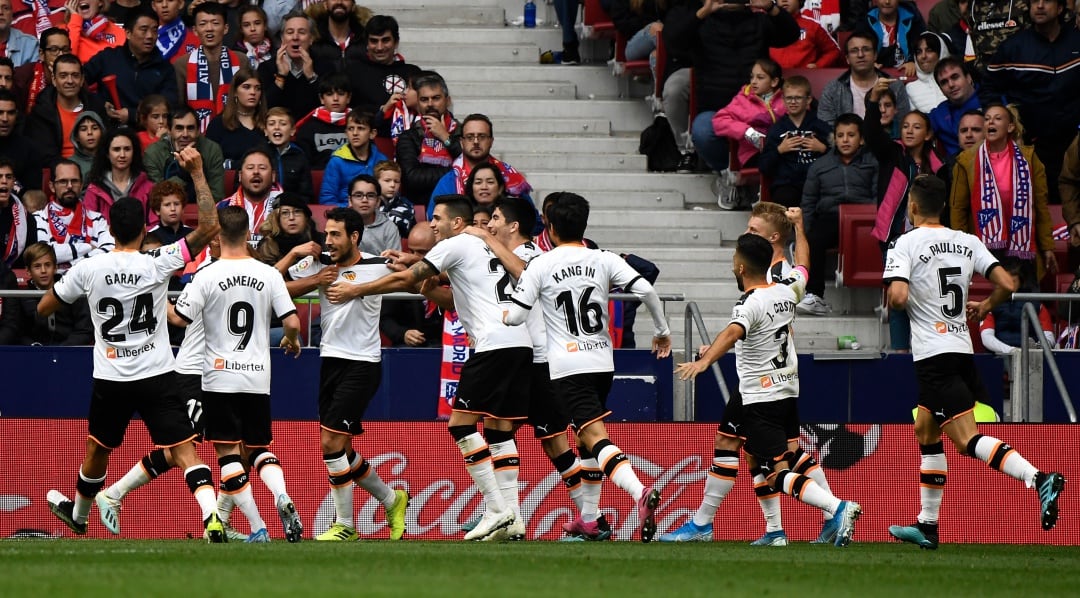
(230, 182)
(859, 263)
(191, 215)
(624, 67)
(318, 214)
(22, 276)
(595, 22)
(421, 212)
(386, 146)
(316, 183)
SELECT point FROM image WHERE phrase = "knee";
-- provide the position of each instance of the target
(727, 443)
(702, 129)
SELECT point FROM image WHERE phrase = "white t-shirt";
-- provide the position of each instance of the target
(127, 293)
(937, 263)
(480, 291)
(535, 323)
(765, 360)
(350, 329)
(237, 298)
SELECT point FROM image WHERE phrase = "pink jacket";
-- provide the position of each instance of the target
(100, 199)
(744, 111)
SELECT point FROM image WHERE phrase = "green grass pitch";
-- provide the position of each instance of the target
(89, 568)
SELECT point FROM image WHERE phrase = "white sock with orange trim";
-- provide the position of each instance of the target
(478, 463)
(234, 481)
(933, 473)
(718, 482)
(617, 468)
(1002, 457)
(341, 487)
(270, 473)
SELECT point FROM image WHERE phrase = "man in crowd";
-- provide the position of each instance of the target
(204, 75)
(427, 151)
(58, 106)
(340, 30)
(477, 137)
(73, 231)
(34, 76)
(847, 93)
(256, 192)
(380, 77)
(161, 163)
(16, 45)
(956, 83)
(291, 80)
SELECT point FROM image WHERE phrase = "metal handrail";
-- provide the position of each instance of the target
(1031, 318)
(692, 315)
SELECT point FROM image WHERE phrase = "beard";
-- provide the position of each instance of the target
(739, 282)
(341, 16)
(68, 199)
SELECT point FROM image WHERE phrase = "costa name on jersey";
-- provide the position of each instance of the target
(765, 360)
(350, 329)
(127, 293)
(937, 263)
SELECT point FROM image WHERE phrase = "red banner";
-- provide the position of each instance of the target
(880, 470)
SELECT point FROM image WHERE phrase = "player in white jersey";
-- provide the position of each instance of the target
(768, 367)
(928, 271)
(236, 297)
(133, 363)
(570, 283)
(492, 379)
(350, 372)
(777, 225)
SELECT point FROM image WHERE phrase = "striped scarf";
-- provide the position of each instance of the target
(1019, 239)
(257, 54)
(515, 182)
(97, 29)
(432, 151)
(200, 90)
(171, 37)
(16, 238)
(455, 351)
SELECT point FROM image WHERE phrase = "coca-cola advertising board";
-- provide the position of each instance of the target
(875, 465)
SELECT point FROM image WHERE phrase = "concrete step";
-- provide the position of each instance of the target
(544, 37)
(634, 200)
(817, 335)
(595, 80)
(615, 238)
(692, 186)
(663, 221)
(568, 162)
(624, 115)
(464, 52)
(565, 144)
(524, 125)
(681, 270)
(690, 255)
(515, 89)
(448, 15)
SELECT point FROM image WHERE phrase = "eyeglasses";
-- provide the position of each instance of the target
(58, 49)
(475, 137)
(359, 195)
(291, 213)
(795, 98)
(67, 182)
(862, 50)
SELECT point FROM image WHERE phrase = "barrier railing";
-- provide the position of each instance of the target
(691, 319)
(1021, 410)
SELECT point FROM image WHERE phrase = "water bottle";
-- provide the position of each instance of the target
(530, 14)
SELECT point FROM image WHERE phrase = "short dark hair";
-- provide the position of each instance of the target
(333, 82)
(211, 8)
(755, 252)
(928, 192)
(256, 151)
(862, 34)
(848, 118)
(568, 216)
(5, 61)
(361, 117)
(234, 222)
(380, 24)
(139, 13)
(478, 118)
(6, 162)
(68, 59)
(51, 31)
(430, 79)
(469, 180)
(952, 60)
(63, 162)
(457, 206)
(520, 210)
(181, 111)
(354, 223)
(127, 219)
(366, 178)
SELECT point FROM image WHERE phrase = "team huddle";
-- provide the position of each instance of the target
(542, 356)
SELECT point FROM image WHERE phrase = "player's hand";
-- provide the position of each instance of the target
(795, 217)
(1050, 261)
(414, 338)
(291, 345)
(427, 285)
(340, 292)
(190, 159)
(977, 310)
(327, 276)
(690, 370)
(477, 231)
(661, 346)
(311, 248)
(702, 350)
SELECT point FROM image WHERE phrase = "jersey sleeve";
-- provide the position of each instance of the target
(630, 280)
(170, 258)
(308, 266)
(984, 261)
(897, 262)
(444, 254)
(72, 284)
(622, 274)
(745, 314)
(279, 297)
(190, 302)
(796, 281)
(524, 296)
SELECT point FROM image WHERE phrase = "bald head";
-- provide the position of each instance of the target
(421, 239)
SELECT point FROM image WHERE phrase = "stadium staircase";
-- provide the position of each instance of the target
(576, 128)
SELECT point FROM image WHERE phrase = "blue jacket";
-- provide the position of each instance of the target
(21, 48)
(791, 168)
(342, 169)
(945, 121)
(909, 26)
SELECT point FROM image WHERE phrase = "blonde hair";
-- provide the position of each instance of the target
(36, 251)
(775, 215)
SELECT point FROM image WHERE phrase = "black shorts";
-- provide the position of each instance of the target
(949, 385)
(346, 387)
(585, 396)
(190, 388)
(112, 403)
(234, 417)
(732, 422)
(496, 383)
(547, 414)
(768, 428)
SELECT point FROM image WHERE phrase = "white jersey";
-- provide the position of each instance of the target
(127, 293)
(571, 283)
(780, 270)
(937, 263)
(480, 287)
(189, 358)
(765, 360)
(236, 298)
(535, 324)
(350, 329)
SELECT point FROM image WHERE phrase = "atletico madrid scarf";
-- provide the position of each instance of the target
(200, 90)
(330, 118)
(401, 119)
(455, 351)
(66, 224)
(170, 37)
(16, 238)
(257, 54)
(432, 151)
(988, 206)
(515, 181)
(97, 29)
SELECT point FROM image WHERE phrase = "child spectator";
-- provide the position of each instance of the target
(482, 214)
(322, 131)
(403, 113)
(175, 38)
(379, 233)
(21, 324)
(357, 156)
(86, 137)
(887, 108)
(397, 207)
(815, 47)
(254, 40)
(793, 144)
(167, 204)
(1000, 331)
(897, 25)
(117, 171)
(846, 174)
(153, 119)
(89, 30)
(289, 161)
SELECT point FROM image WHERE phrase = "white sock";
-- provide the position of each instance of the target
(134, 478)
(478, 463)
(932, 476)
(82, 503)
(809, 467)
(504, 458)
(225, 504)
(341, 491)
(769, 501)
(367, 478)
(804, 489)
(243, 497)
(718, 483)
(576, 488)
(618, 470)
(204, 494)
(592, 480)
(1005, 459)
(270, 473)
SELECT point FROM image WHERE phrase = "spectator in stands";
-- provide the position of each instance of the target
(118, 11)
(924, 93)
(256, 193)
(33, 77)
(725, 40)
(961, 95)
(53, 117)
(403, 114)
(1069, 188)
(89, 30)
(847, 93)
(426, 152)
(153, 118)
(18, 46)
(380, 233)
(290, 234)
(793, 144)
(824, 12)
(167, 200)
(72, 230)
(20, 149)
(397, 207)
(175, 38)
(290, 162)
(379, 78)
(748, 117)
(205, 75)
(117, 172)
(815, 48)
(846, 174)
(945, 15)
(641, 23)
(887, 108)
(86, 137)
(999, 194)
(340, 38)
(477, 137)
(896, 26)
(413, 322)
(254, 40)
(482, 215)
(291, 80)
(322, 132)
(675, 97)
(1037, 70)
(358, 155)
(485, 185)
(1000, 331)
(69, 326)
(988, 24)
(567, 12)
(17, 226)
(240, 125)
(139, 68)
(161, 162)
(972, 130)
(7, 73)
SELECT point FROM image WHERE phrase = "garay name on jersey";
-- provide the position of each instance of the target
(946, 247)
(569, 271)
(123, 278)
(241, 281)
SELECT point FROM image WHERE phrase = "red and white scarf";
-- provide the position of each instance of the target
(37, 84)
(986, 198)
(401, 119)
(328, 117)
(97, 29)
(432, 151)
(67, 224)
(455, 352)
(200, 91)
(257, 211)
(258, 54)
(515, 181)
(16, 239)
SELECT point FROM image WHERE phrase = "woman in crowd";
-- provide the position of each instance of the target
(254, 40)
(289, 234)
(239, 127)
(118, 172)
(485, 184)
(924, 93)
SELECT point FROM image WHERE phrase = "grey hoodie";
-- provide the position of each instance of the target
(81, 157)
(380, 235)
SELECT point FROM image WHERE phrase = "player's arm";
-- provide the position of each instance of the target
(513, 265)
(802, 246)
(441, 295)
(306, 275)
(1003, 290)
(632, 282)
(48, 304)
(723, 343)
(175, 319)
(291, 341)
(397, 282)
(191, 161)
(523, 298)
(898, 294)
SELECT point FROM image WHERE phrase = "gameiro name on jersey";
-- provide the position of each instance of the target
(765, 360)
(937, 263)
(127, 293)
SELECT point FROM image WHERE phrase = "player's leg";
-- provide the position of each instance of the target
(769, 500)
(477, 456)
(499, 434)
(805, 464)
(147, 469)
(223, 415)
(933, 473)
(257, 436)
